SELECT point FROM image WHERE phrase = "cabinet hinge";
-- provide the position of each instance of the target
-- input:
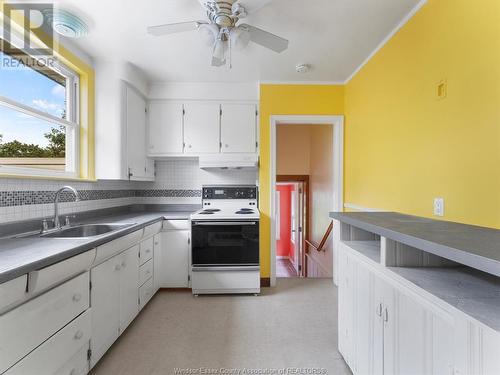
(89, 354)
(256, 144)
(183, 111)
(256, 112)
(189, 241)
(220, 111)
(90, 285)
(189, 277)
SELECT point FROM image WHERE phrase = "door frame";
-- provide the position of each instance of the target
(304, 179)
(337, 123)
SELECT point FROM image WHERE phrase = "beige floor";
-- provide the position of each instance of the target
(292, 325)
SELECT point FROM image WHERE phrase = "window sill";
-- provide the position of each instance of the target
(47, 177)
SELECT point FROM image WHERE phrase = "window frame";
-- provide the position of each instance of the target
(71, 123)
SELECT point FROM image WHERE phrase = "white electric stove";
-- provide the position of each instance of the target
(225, 241)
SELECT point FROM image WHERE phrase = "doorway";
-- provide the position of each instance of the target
(292, 198)
(334, 203)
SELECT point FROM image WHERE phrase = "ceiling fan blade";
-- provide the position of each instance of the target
(266, 39)
(252, 6)
(172, 28)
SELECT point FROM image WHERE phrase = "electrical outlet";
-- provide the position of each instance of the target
(439, 206)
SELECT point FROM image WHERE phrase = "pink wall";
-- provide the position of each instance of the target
(284, 245)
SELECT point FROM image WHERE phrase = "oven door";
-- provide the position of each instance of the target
(225, 243)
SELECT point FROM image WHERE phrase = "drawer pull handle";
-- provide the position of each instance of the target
(117, 267)
(124, 264)
(379, 310)
(78, 335)
(77, 297)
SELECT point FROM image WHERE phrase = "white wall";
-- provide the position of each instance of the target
(204, 91)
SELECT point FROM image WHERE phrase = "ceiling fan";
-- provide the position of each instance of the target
(222, 31)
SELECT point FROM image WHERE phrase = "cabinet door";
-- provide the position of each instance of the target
(201, 128)
(129, 286)
(411, 330)
(346, 307)
(150, 169)
(175, 259)
(157, 254)
(165, 128)
(365, 316)
(238, 128)
(105, 303)
(136, 134)
(384, 328)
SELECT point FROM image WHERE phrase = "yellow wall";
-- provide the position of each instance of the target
(403, 146)
(287, 100)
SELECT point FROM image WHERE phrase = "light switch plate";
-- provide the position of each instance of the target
(439, 206)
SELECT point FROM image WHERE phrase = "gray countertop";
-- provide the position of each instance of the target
(19, 256)
(474, 246)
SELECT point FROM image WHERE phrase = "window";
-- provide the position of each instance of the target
(39, 130)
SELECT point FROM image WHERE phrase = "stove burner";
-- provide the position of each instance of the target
(246, 209)
(244, 212)
(206, 213)
(211, 210)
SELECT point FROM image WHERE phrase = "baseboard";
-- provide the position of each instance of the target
(265, 282)
(175, 289)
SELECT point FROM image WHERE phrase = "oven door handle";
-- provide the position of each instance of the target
(210, 223)
(226, 268)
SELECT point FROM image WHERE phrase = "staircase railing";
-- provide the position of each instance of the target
(321, 245)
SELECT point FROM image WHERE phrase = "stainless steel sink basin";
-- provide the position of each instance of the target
(85, 230)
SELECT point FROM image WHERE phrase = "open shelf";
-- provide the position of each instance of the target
(370, 249)
(471, 291)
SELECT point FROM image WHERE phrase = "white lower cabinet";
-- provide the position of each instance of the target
(29, 325)
(114, 299)
(63, 353)
(173, 270)
(387, 328)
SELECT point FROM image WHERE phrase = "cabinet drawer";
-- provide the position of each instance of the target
(12, 292)
(146, 250)
(176, 225)
(27, 326)
(45, 278)
(145, 272)
(77, 365)
(145, 293)
(57, 352)
(112, 248)
(151, 230)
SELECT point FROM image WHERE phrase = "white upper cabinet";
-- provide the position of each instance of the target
(135, 109)
(197, 128)
(120, 134)
(165, 128)
(201, 128)
(238, 128)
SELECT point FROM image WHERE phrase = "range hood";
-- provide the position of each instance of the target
(229, 161)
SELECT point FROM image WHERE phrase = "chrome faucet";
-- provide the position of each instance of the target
(57, 223)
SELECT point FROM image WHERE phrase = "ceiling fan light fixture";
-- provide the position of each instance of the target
(239, 38)
(209, 33)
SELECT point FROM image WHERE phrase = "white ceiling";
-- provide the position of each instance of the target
(334, 36)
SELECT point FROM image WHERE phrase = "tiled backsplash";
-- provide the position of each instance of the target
(177, 181)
